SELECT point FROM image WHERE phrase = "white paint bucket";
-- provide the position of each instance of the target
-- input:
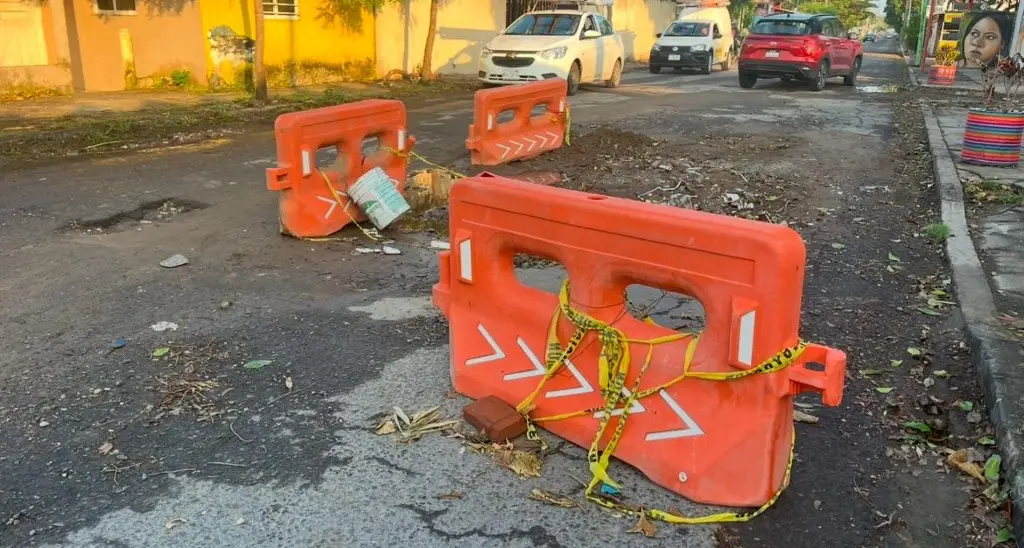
(377, 197)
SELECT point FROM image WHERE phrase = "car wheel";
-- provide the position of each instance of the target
(787, 79)
(851, 79)
(706, 69)
(747, 80)
(818, 83)
(655, 69)
(616, 78)
(573, 83)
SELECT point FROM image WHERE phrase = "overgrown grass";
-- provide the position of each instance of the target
(995, 192)
(937, 231)
(22, 92)
(89, 133)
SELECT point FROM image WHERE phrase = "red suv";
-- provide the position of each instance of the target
(801, 46)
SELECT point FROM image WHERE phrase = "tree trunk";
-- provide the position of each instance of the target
(426, 71)
(259, 72)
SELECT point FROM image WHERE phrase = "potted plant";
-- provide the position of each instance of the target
(943, 72)
(994, 131)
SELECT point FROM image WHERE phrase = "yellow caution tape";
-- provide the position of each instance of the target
(613, 367)
(419, 157)
(566, 120)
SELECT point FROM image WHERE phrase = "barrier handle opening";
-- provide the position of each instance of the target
(829, 383)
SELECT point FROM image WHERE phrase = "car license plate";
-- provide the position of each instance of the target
(510, 74)
(771, 53)
(673, 57)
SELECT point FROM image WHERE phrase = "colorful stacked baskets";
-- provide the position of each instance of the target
(992, 138)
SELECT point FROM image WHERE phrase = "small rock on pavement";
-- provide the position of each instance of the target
(225, 304)
(391, 250)
(438, 244)
(665, 167)
(174, 261)
(974, 417)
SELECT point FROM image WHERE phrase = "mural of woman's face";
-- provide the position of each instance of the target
(984, 42)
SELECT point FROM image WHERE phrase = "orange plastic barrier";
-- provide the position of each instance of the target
(492, 142)
(308, 207)
(725, 442)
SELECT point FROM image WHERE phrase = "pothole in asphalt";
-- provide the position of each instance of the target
(164, 209)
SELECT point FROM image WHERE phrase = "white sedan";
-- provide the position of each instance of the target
(577, 46)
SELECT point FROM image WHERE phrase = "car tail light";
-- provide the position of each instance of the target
(807, 48)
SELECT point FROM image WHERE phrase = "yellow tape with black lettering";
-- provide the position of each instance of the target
(612, 369)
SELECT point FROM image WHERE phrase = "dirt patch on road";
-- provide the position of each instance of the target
(738, 175)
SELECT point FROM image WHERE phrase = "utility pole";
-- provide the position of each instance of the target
(920, 34)
(925, 34)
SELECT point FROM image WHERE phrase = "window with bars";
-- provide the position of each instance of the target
(281, 8)
(116, 7)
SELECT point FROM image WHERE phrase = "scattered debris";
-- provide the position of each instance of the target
(106, 448)
(118, 343)
(288, 383)
(174, 523)
(454, 495)
(438, 244)
(415, 427)
(44, 424)
(160, 327)
(959, 459)
(552, 498)
(391, 250)
(257, 364)
(174, 261)
(161, 352)
(800, 416)
(225, 304)
(365, 250)
(644, 526)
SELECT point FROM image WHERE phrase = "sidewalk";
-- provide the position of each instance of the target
(988, 274)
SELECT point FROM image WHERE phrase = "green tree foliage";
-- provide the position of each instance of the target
(894, 12)
(819, 7)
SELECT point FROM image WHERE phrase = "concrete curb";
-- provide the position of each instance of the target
(998, 360)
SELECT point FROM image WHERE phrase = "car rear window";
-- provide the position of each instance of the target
(688, 29)
(782, 27)
(545, 25)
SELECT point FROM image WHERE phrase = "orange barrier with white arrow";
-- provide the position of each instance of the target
(493, 141)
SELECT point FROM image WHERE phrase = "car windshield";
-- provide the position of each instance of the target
(688, 29)
(782, 27)
(545, 25)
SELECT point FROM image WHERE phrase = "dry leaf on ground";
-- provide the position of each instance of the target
(959, 459)
(451, 496)
(415, 427)
(525, 465)
(552, 498)
(800, 416)
(644, 527)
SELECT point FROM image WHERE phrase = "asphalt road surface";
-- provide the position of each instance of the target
(356, 334)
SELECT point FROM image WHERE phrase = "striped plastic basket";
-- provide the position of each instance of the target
(992, 138)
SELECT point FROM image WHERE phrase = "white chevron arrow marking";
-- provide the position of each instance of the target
(532, 143)
(690, 431)
(504, 150)
(330, 210)
(497, 352)
(633, 409)
(543, 139)
(518, 144)
(554, 137)
(538, 369)
(583, 388)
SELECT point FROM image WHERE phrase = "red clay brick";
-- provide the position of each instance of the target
(494, 417)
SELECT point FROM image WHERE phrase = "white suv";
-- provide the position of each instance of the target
(571, 44)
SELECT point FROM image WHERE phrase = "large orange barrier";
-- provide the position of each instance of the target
(492, 142)
(308, 205)
(710, 418)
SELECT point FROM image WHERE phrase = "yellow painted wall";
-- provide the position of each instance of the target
(638, 21)
(463, 28)
(345, 45)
